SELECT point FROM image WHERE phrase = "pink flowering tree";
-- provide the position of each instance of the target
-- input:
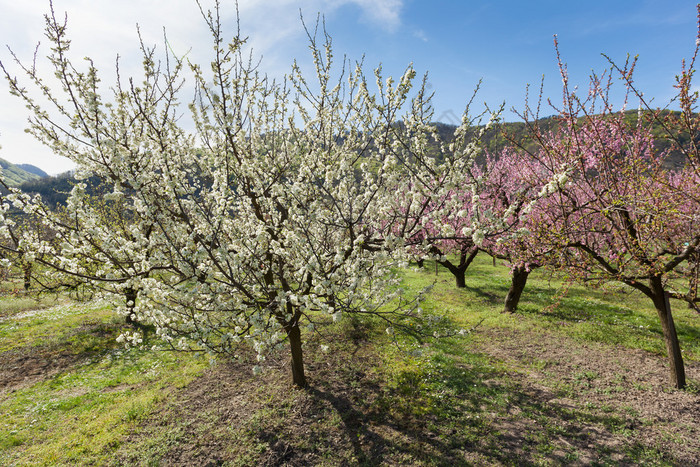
(511, 190)
(480, 207)
(617, 213)
(436, 211)
(442, 240)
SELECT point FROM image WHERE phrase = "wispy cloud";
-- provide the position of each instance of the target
(279, 19)
(420, 34)
(385, 13)
(104, 28)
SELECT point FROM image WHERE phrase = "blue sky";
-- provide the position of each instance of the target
(507, 44)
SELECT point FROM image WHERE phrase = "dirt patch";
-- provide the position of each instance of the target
(27, 365)
(553, 401)
(625, 390)
(23, 367)
(228, 414)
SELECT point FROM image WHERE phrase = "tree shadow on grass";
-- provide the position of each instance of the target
(55, 354)
(495, 293)
(575, 310)
(449, 413)
(454, 408)
(367, 444)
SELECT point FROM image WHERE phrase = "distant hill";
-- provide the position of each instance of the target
(32, 169)
(54, 190)
(15, 175)
(494, 141)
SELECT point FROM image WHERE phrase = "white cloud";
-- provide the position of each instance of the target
(386, 13)
(271, 22)
(103, 28)
(420, 34)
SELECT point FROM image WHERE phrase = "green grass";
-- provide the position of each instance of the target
(14, 300)
(372, 400)
(85, 410)
(615, 315)
(78, 416)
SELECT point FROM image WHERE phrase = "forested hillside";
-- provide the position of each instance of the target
(495, 140)
(54, 190)
(32, 169)
(15, 175)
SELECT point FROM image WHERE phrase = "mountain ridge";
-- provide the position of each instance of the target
(54, 189)
(16, 174)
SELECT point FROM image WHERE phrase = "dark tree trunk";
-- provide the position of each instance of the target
(27, 269)
(294, 335)
(517, 285)
(460, 277)
(420, 263)
(456, 271)
(673, 348)
(466, 256)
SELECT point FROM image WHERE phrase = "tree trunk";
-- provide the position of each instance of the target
(294, 335)
(466, 256)
(456, 271)
(517, 285)
(663, 309)
(27, 269)
(460, 279)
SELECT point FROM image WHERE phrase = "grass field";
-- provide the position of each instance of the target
(578, 378)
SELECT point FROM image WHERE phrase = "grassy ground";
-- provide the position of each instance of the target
(68, 394)
(582, 382)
